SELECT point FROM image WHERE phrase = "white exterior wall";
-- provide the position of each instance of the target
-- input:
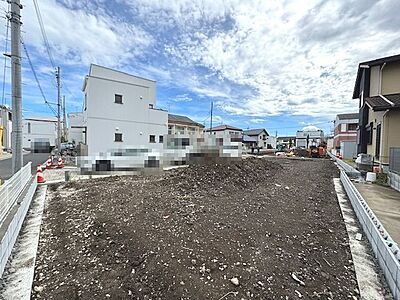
(44, 129)
(6, 122)
(314, 136)
(134, 118)
(75, 130)
(226, 133)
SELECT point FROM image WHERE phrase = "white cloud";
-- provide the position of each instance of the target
(80, 36)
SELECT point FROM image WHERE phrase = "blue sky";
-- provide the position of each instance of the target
(278, 65)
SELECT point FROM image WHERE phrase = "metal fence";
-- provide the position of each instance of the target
(12, 188)
(394, 160)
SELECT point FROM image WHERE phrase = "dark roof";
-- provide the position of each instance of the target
(286, 137)
(223, 127)
(249, 139)
(379, 102)
(255, 131)
(347, 116)
(371, 63)
(182, 120)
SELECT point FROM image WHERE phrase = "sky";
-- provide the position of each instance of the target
(279, 65)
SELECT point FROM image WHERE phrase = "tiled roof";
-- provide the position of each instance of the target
(379, 102)
(254, 131)
(182, 120)
(347, 116)
(223, 127)
(249, 139)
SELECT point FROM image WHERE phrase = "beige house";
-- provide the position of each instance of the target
(183, 125)
(378, 90)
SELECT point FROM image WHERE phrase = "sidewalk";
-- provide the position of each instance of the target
(385, 203)
(5, 155)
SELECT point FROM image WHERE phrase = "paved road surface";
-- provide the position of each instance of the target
(385, 202)
(35, 158)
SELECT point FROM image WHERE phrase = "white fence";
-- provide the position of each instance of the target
(12, 188)
(386, 250)
(349, 169)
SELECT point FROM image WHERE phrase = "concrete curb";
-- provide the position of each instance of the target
(12, 224)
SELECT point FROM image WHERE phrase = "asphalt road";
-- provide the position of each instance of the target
(35, 158)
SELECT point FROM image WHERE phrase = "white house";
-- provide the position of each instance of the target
(264, 140)
(6, 124)
(226, 130)
(39, 129)
(76, 129)
(120, 111)
(315, 136)
(183, 125)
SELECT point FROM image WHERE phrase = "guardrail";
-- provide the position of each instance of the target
(386, 250)
(12, 188)
(346, 167)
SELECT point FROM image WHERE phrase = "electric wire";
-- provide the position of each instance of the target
(44, 35)
(36, 78)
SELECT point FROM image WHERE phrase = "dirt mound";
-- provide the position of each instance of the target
(238, 229)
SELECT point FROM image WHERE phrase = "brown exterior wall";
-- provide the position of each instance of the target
(391, 78)
(391, 134)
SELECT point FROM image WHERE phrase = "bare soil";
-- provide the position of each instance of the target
(233, 230)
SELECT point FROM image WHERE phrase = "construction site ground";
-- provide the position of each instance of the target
(253, 228)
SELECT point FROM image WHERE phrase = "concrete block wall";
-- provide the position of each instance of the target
(394, 180)
(11, 226)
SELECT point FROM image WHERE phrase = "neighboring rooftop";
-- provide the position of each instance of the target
(249, 139)
(223, 127)
(347, 116)
(183, 120)
(384, 102)
(252, 132)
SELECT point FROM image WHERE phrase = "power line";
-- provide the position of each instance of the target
(45, 40)
(36, 78)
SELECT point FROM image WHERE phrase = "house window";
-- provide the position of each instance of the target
(161, 139)
(169, 129)
(152, 138)
(369, 133)
(118, 99)
(378, 141)
(117, 137)
(352, 126)
(29, 127)
(151, 105)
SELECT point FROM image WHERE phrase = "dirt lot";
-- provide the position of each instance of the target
(237, 230)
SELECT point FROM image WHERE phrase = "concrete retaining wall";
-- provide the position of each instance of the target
(386, 250)
(394, 180)
(11, 226)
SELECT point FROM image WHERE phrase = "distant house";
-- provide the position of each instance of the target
(378, 89)
(286, 141)
(76, 129)
(183, 125)
(309, 134)
(249, 142)
(120, 111)
(38, 131)
(264, 140)
(345, 138)
(6, 124)
(225, 130)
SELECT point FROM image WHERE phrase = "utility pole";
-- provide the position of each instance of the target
(211, 113)
(16, 94)
(64, 121)
(58, 77)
